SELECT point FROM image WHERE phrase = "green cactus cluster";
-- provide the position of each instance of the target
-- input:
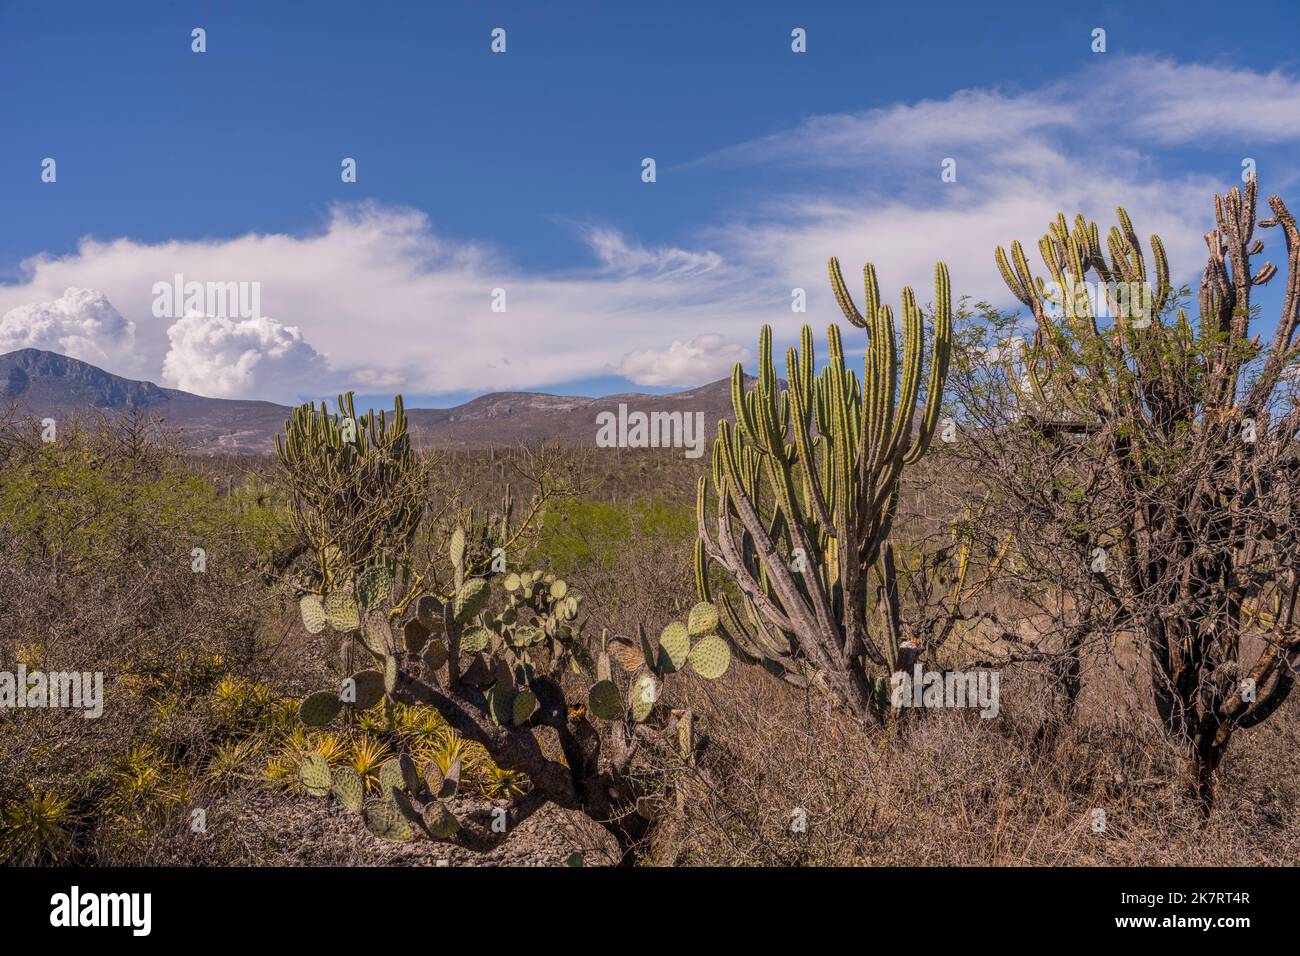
(410, 805)
(357, 486)
(805, 489)
(361, 617)
(500, 651)
(646, 665)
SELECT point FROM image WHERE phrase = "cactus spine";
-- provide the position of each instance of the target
(806, 486)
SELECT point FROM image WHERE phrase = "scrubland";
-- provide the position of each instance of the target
(204, 672)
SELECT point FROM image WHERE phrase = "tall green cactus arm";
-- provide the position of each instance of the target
(804, 488)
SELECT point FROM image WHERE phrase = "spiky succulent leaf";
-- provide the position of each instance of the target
(456, 548)
(363, 689)
(643, 694)
(441, 822)
(435, 655)
(647, 650)
(471, 599)
(377, 633)
(391, 777)
(674, 646)
(559, 588)
(474, 640)
(349, 789)
(374, 588)
(411, 808)
(501, 703)
(410, 775)
(390, 674)
(415, 635)
(525, 706)
(450, 781)
(433, 778)
(428, 610)
(703, 620)
(385, 821)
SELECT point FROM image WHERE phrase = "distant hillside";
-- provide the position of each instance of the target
(46, 384)
(513, 418)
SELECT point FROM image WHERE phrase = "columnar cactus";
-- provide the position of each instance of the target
(357, 487)
(1193, 432)
(805, 486)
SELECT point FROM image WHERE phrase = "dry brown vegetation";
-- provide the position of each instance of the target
(195, 665)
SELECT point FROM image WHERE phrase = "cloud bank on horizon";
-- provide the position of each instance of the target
(378, 301)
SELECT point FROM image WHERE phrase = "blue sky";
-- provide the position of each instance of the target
(522, 171)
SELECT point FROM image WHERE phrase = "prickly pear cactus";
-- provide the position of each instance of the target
(674, 646)
(314, 772)
(694, 645)
(318, 709)
(342, 612)
(440, 822)
(375, 587)
(603, 700)
(391, 778)
(710, 657)
(386, 821)
(471, 599)
(363, 689)
(349, 789)
(313, 613)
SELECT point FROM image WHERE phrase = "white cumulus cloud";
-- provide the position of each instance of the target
(702, 359)
(238, 358)
(81, 323)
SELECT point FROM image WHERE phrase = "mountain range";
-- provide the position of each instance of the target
(46, 384)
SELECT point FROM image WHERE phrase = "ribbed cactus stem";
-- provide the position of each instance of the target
(804, 487)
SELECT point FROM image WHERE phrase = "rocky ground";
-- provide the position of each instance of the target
(259, 827)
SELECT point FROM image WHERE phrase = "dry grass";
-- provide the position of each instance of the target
(947, 788)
